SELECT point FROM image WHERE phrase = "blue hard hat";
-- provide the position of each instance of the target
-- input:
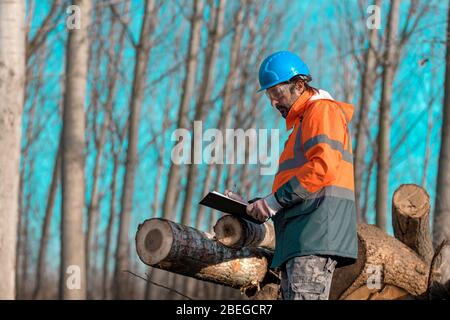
(280, 67)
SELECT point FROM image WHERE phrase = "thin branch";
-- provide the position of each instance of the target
(411, 127)
(157, 284)
(124, 25)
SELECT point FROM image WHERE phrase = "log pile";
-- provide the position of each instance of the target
(184, 250)
(239, 254)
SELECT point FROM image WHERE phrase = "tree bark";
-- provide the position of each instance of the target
(170, 246)
(72, 236)
(140, 71)
(441, 223)
(26, 172)
(73, 143)
(12, 80)
(384, 138)
(367, 88)
(410, 219)
(234, 232)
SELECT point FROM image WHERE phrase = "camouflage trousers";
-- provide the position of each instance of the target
(307, 278)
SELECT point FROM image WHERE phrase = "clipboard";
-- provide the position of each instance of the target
(218, 201)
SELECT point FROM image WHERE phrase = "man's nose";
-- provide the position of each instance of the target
(273, 102)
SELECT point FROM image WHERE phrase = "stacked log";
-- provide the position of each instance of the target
(184, 250)
(235, 232)
(410, 219)
(239, 254)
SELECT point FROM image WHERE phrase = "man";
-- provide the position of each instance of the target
(312, 200)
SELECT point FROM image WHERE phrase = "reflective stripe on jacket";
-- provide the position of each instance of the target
(315, 182)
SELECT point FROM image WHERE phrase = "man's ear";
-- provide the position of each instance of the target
(299, 86)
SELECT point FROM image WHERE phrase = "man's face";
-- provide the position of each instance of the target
(283, 95)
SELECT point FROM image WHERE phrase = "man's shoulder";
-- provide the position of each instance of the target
(326, 113)
(320, 108)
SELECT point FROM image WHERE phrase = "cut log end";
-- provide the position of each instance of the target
(235, 232)
(412, 201)
(154, 241)
(229, 231)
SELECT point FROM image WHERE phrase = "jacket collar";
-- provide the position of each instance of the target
(297, 109)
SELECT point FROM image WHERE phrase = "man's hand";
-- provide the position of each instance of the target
(235, 196)
(264, 208)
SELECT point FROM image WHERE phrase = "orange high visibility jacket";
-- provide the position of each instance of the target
(314, 183)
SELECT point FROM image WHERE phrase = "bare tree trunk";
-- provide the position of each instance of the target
(367, 88)
(229, 181)
(188, 88)
(155, 204)
(115, 156)
(22, 254)
(49, 209)
(24, 203)
(441, 221)
(206, 185)
(140, 71)
(26, 172)
(73, 261)
(113, 61)
(204, 95)
(427, 147)
(92, 206)
(40, 265)
(109, 228)
(245, 183)
(12, 87)
(225, 115)
(24, 283)
(385, 116)
(430, 103)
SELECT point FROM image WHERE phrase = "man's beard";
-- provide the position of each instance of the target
(283, 110)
